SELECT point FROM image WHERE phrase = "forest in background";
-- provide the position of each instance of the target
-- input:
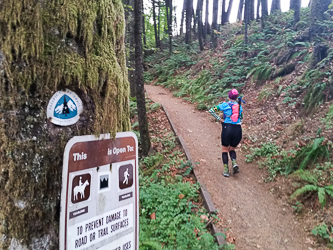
(282, 62)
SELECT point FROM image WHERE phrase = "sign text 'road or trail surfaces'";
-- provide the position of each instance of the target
(99, 199)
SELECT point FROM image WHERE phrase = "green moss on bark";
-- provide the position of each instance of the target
(48, 46)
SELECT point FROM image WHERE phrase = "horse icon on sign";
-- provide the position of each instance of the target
(81, 188)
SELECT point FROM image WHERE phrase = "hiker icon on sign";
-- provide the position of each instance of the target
(125, 176)
(81, 188)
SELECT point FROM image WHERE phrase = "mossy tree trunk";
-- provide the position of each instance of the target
(49, 46)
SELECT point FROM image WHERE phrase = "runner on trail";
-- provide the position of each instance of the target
(231, 129)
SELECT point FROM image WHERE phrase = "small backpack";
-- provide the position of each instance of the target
(235, 108)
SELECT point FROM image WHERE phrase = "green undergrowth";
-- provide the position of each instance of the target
(310, 166)
(273, 52)
(171, 212)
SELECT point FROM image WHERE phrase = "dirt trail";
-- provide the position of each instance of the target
(254, 216)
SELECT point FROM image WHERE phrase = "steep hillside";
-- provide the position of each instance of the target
(286, 80)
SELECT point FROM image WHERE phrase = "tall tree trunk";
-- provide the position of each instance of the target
(32, 148)
(252, 10)
(182, 18)
(131, 52)
(170, 26)
(226, 14)
(246, 19)
(318, 7)
(155, 26)
(198, 13)
(214, 23)
(276, 6)
(189, 9)
(264, 8)
(159, 23)
(140, 95)
(200, 25)
(258, 9)
(223, 12)
(295, 5)
(144, 27)
(206, 29)
(240, 10)
(264, 12)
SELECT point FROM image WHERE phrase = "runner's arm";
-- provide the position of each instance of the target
(212, 112)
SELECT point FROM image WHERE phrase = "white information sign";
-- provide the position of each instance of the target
(64, 108)
(99, 199)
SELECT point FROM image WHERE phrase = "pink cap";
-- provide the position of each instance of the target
(233, 94)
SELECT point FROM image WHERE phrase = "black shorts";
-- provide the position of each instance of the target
(231, 134)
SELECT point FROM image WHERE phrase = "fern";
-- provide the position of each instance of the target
(307, 176)
(305, 189)
(321, 192)
(152, 244)
(309, 154)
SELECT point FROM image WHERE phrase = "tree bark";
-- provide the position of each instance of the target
(182, 18)
(240, 10)
(144, 27)
(295, 5)
(170, 26)
(159, 23)
(214, 23)
(264, 8)
(226, 14)
(206, 29)
(252, 10)
(131, 52)
(264, 12)
(258, 9)
(223, 12)
(140, 96)
(39, 63)
(157, 42)
(200, 25)
(276, 6)
(318, 7)
(246, 19)
(189, 9)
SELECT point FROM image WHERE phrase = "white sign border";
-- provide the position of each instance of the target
(68, 147)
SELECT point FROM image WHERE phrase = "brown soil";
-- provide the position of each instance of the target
(255, 217)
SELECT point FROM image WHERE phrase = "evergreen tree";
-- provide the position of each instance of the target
(251, 10)
(295, 5)
(240, 10)
(200, 25)
(157, 41)
(276, 6)
(214, 23)
(182, 18)
(140, 95)
(206, 29)
(189, 15)
(226, 14)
